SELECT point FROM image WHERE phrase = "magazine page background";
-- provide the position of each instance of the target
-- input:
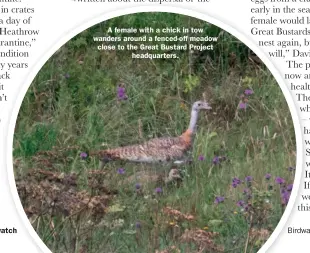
(60, 20)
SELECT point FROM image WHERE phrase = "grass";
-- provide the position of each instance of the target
(71, 107)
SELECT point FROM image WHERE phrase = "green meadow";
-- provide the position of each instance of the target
(232, 195)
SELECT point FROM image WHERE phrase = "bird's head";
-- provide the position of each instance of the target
(200, 105)
(174, 174)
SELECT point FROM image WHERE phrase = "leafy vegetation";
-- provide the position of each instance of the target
(233, 193)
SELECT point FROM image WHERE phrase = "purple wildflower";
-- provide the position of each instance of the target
(216, 160)
(267, 176)
(246, 208)
(248, 92)
(201, 158)
(121, 171)
(138, 224)
(235, 182)
(83, 155)
(158, 190)
(67, 75)
(240, 203)
(121, 93)
(279, 180)
(289, 187)
(138, 186)
(291, 168)
(248, 179)
(234, 185)
(285, 196)
(246, 191)
(243, 105)
(219, 199)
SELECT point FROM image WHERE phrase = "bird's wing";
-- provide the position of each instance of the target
(154, 150)
(166, 148)
(165, 143)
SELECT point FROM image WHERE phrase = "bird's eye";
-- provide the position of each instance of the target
(199, 104)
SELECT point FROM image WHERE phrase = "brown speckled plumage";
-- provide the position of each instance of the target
(155, 150)
(165, 149)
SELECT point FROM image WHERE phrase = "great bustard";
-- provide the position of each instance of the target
(157, 150)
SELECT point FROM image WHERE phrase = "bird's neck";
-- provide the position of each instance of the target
(188, 134)
(193, 122)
